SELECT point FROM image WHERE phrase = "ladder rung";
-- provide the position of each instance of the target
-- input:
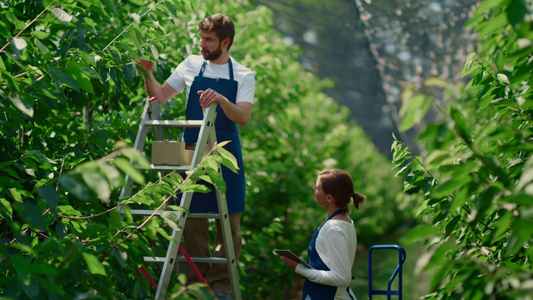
(150, 259)
(204, 216)
(172, 123)
(165, 168)
(217, 260)
(147, 212)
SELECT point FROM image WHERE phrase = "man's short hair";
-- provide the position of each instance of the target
(221, 24)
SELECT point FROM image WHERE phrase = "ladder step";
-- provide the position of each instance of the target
(147, 212)
(172, 123)
(217, 260)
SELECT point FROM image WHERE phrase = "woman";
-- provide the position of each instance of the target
(331, 251)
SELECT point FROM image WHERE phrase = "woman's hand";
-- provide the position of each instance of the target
(289, 262)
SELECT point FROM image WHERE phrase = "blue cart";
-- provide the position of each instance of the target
(398, 271)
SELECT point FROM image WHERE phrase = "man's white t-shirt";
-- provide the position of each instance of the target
(184, 75)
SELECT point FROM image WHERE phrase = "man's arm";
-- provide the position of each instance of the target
(162, 92)
(237, 112)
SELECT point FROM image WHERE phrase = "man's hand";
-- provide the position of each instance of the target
(146, 65)
(209, 96)
(236, 112)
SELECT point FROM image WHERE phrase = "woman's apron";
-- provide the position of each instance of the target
(225, 130)
(313, 290)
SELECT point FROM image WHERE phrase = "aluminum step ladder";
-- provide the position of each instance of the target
(398, 271)
(151, 119)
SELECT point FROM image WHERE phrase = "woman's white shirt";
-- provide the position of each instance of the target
(336, 244)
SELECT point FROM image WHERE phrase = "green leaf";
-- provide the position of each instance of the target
(229, 160)
(164, 234)
(61, 15)
(62, 78)
(50, 195)
(33, 215)
(525, 199)
(6, 211)
(503, 78)
(22, 105)
(171, 181)
(75, 187)
(516, 11)
(178, 208)
(419, 233)
(450, 227)
(154, 51)
(436, 82)
(22, 268)
(451, 185)
(171, 219)
(127, 168)
(16, 194)
(155, 188)
(417, 108)
(112, 174)
(503, 226)
(110, 6)
(439, 157)
(96, 182)
(217, 179)
(129, 71)
(484, 203)
(40, 34)
(439, 275)
(43, 269)
(460, 198)
(469, 66)
(488, 5)
(95, 267)
(136, 156)
(497, 24)
(522, 233)
(143, 199)
(438, 258)
(526, 178)
(460, 124)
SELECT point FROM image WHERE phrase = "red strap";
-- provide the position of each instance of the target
(191, 263)
(149, 278)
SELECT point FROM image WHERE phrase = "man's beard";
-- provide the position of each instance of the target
(214, 55)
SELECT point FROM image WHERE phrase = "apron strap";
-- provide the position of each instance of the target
(231, 77)
(334, 214)
(230, 70)
(201, 74)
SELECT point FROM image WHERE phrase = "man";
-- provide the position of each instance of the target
(213, 77)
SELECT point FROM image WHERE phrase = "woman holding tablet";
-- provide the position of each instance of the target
(331, 252)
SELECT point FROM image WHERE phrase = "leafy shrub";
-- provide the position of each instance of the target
(474, 178)
(71, 90)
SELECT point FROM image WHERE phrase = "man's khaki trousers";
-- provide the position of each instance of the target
(197, 244)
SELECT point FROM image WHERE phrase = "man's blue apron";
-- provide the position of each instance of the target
(225, 130)
(313, 290)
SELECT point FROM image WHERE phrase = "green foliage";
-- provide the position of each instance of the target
(71, 92)
(474, 179)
